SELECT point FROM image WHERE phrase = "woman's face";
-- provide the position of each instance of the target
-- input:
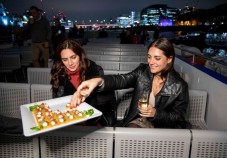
(70, 59)
(157, 60)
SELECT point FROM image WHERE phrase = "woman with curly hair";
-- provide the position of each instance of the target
(70, 68)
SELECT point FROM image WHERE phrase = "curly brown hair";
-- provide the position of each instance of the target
(58, 69)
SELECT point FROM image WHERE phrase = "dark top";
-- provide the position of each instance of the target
(40, 30)
(171, 102)
(103, 101)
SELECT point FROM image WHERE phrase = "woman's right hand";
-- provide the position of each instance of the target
(148, 111)
(84, 90)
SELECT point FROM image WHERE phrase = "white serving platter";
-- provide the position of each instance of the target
(28, 120)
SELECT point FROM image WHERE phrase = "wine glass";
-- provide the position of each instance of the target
(143, 102)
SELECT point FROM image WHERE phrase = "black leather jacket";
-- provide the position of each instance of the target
(171, 102)
(103, 101)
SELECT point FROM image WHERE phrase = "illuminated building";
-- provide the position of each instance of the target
(159, 14)
(123, 21)
(128, 20)
(191, 16)
(4, 19)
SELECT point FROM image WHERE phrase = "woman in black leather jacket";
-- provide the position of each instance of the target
(70, 68)
(168, 92)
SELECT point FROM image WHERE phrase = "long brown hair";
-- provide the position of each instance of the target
(166, 46)
(58, 69)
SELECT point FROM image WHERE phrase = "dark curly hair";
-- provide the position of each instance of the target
(59, 70)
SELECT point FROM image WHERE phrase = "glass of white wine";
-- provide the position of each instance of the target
(143, 102)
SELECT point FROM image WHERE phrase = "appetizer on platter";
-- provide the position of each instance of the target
(45, 117)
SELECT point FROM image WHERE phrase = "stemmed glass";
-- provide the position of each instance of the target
(143, 102)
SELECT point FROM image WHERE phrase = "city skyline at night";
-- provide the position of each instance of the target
(99, 9)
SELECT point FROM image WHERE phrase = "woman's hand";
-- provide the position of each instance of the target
(76, 99)
(84, 90)
(148, 111)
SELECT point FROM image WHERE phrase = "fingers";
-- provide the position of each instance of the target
(89, 85)
(75, 101)
(83, 97)
(79, 97)
(84, 90)
(149, 111)
(142, 115)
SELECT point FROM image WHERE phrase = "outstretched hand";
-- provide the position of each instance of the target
(84, 90)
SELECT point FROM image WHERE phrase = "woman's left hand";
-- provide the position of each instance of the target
(148, 111)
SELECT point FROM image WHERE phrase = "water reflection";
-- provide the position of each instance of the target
(212, 52)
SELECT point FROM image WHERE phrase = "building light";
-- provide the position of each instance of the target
(5, 21)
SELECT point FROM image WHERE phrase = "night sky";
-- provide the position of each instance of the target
(100, 9)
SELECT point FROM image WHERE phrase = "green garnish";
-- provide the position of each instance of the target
(88, 112)
(37, 128)
(91, 112)
(31, 108)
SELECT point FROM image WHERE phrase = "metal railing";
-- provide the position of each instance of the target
(194, 54)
